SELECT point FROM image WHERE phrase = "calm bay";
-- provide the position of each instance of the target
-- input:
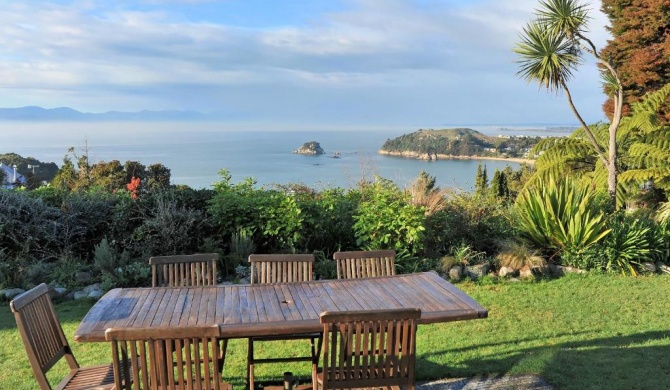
(196, 151)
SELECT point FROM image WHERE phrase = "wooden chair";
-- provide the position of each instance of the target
(364, 264)
(184, 270)
(46, 344)
(280, 268)
(368, 349)
(166, 358)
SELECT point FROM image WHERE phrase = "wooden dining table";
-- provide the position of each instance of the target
(274, 309)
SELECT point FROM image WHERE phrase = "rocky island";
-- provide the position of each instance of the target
(459, 143)
(311, 148)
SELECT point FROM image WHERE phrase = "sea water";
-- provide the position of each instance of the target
(196, 152)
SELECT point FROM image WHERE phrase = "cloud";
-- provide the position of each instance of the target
(387, 55)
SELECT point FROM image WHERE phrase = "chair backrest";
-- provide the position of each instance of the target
(166, 358)
(280, 268)
(41, 332)
(364, 264)
(369, 348)
(184, 270)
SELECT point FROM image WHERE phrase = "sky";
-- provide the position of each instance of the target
(423, 63)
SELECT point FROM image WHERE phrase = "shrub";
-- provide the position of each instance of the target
(118, 270)
(518, 256)
(386, 220)
(64, 272)
(630, 242)
(479, 222)
(170, 228)
(274, 215)
(560, 218)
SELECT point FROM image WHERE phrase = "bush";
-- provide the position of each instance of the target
(565, 218)
(386, 220)
(118, 270)
(272, 214)
(170, 228)
(479, 222)
(631, 242)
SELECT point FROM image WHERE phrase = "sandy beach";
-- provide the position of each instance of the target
(424, 156)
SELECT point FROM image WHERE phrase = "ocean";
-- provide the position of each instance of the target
(196, 152)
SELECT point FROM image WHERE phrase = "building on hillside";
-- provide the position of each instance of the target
(12, 178)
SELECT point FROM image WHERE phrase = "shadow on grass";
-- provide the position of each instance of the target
(638, 361)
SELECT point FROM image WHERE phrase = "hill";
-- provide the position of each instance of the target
(459, 142)
(34, 113)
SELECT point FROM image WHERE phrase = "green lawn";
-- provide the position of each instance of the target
(578, 332)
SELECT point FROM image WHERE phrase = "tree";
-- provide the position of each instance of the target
(640, 48)
(481, 180)
(644, 151)
(158, 177)
(551, 48)
(499, 187)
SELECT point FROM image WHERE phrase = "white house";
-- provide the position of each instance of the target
(11, 176)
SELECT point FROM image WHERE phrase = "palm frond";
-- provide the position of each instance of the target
(547, 58)
(563, 16)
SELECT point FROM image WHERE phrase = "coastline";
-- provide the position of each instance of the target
(435, 157)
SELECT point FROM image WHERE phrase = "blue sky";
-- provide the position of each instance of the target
(415, 63)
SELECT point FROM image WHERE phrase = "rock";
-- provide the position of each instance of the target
(95, 294)
(57, 292)
(560, 270)
(477, 270)
(11, 293)
(506, 271)
(663, 268)
(80, 295)
(311, 148)
(92, 287)
(526, 273)
(456, 272)
(649, 267)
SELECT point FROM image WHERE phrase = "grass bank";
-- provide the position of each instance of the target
(578, 332)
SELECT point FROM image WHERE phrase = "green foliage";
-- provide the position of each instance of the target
(457, 142)
(118, 270)
(478, 222)
(481, 181)
(274, 215)
(628, 245)
(560, 218)
(169, 227)
(632, 241)
(64, 272)
(499, 188)
(463, 255)
(324, 267)
(386, 220)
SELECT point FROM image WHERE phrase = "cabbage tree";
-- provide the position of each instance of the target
(550, 50)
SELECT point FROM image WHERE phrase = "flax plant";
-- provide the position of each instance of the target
(560, 218)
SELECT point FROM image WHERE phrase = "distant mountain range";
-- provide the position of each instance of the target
(34, 113)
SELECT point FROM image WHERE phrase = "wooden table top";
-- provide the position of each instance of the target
(275, 309)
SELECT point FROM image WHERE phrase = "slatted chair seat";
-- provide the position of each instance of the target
(364, 264)
(184, 270)
(281, 268)
(368, 349)
(166, 358)
(46, 344)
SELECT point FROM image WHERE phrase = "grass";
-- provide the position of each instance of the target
(578, 332)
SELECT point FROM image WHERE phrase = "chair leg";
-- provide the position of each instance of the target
(250, 364)
(222, 358)
(315, 360)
